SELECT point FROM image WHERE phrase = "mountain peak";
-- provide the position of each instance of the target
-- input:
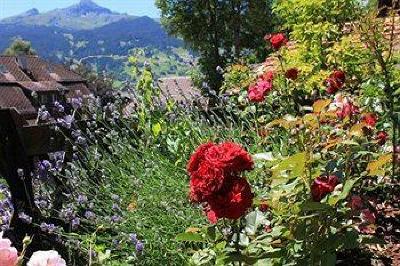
(32, 12)
(85, 7)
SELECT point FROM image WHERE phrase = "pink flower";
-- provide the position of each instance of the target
(8, 254)
(356, 203)
(46, 258)
(348, 110)
(257, 92)
(368, 217)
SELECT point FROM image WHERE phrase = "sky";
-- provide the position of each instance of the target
(133, 7)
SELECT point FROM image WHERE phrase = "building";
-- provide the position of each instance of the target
(28, 82)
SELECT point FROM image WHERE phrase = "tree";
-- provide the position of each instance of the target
(220, 30)
(20, 47)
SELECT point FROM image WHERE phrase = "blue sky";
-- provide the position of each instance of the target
(133, 7)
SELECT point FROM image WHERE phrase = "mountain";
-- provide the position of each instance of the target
(84, 15)
(87, 32)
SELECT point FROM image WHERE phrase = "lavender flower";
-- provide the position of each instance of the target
(133, 238)
(25, 218)
(75, 223)
(59, 107)
(76, 103)
(47, 228)
(82, 199)
(139, 247)
(90, 215)
(66, 121)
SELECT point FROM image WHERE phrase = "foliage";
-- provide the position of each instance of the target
(207, 27)
(20, 47)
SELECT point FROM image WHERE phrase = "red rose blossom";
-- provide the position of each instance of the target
(370, 119)
(231, 202)
(269, 76)
(263, 207)
(382, 137)
(198, 157)
(322, 186)
(277, 40)
(230, 157)
(205, 182)
(292, 74)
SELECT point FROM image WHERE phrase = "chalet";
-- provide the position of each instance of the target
(28, 82)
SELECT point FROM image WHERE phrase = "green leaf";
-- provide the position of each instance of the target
(294, 166)
(329, 259)
(333, 200)
(314, 206)
(189, 237)
(156, 129)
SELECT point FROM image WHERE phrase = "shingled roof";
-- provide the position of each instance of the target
(23, 76)
(181, 90)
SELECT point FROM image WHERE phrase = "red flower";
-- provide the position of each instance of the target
(348, 110)
(257, 92)
(322, 186)
(212, 166)
(292, 74)
(269, 76)
(382, 137)
(356, 203)
(370, 119)
(277, 40)
(230, 157)
(232, 202)
(263, 207)
(339, 76)
(335, 81)
(198, 157)
(368, 217)
(205, 182)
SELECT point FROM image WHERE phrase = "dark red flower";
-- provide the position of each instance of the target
(370, 119)
(322, 186)
(339, 76)
(368, 217)
(232, 202)
(292, 73)
(263, 207)
(277, 40)
(335, 81)
(356, 203)
(382, 137)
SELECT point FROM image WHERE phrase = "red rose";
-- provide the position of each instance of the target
(277, 40)
(231, 202)
(292, 74)
(348, 110)
(370, 119)
(368, 217)
(198, 157)
(322, 186)
(269, 76)
(205, 182)
(382, 137)
(230, 157)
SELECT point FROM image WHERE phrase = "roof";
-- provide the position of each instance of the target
(179, 89)
(42, 86)
(13, 97)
